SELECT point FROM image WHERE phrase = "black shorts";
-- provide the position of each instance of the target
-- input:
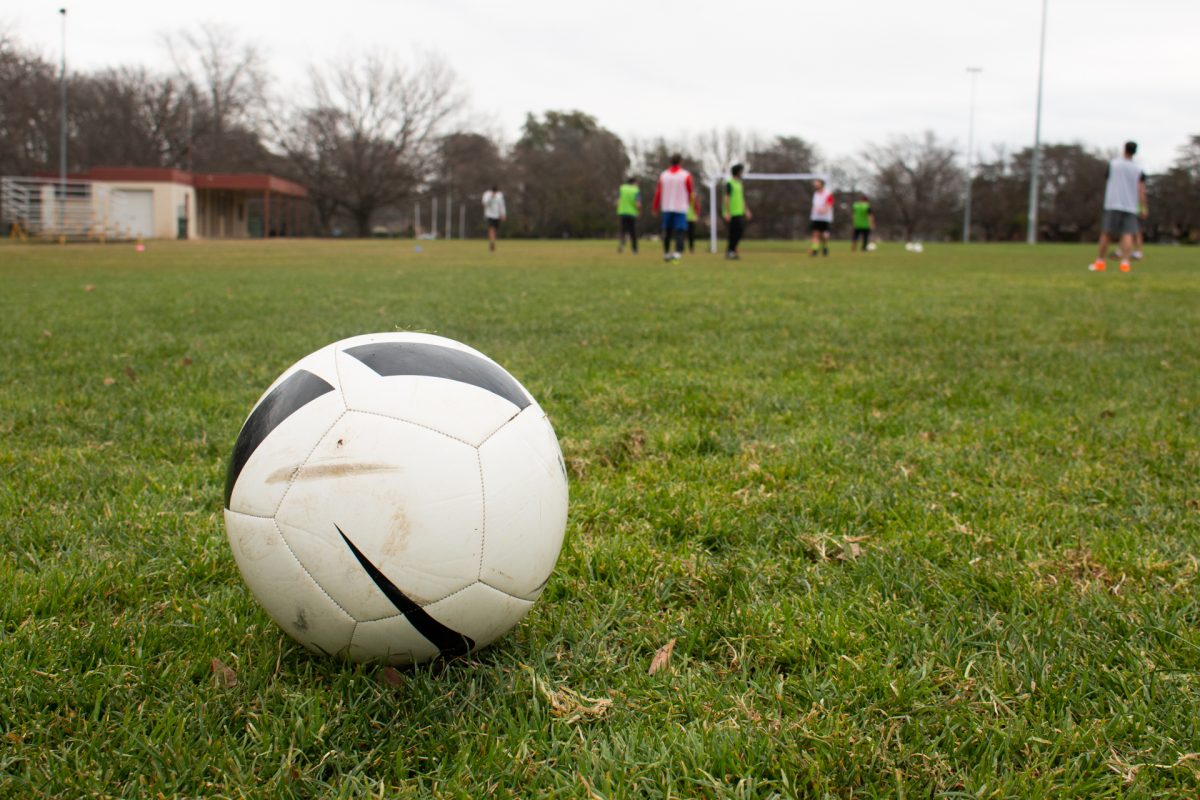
(822, 225)
(493, 222)
(861, 233)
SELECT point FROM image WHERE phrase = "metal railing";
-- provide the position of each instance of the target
(75, 210)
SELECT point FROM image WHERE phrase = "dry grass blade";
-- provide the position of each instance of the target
(569, 705)
(223, 677)
(662, 658)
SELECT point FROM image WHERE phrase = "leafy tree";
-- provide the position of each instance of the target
(1072, 191)
(567, 169)
(1174, 198)
(780, 209)
(467, 165)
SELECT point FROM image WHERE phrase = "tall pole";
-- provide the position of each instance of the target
(974, 73)
(62, 141)
(1035, 166)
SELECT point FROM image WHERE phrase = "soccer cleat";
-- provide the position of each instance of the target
(676, 256)
(1136, 255)
(1125, 266)
(1097, 265)
(824, 251)
(666, 256)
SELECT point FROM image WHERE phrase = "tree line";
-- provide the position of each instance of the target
(372, 137)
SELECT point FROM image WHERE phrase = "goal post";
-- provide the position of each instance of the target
(714, 182)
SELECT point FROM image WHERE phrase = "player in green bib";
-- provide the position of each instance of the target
(864, 222)
(629, 205)
(736, 213)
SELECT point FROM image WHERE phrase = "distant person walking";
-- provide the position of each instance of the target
(821, 218)
(1124, 202)
(864, 223)
(674, 194)
(735, 211)
(629, 205)
(494, 212)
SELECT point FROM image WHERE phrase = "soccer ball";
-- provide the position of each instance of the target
(395, 497)
(914, 247)
(871, 247)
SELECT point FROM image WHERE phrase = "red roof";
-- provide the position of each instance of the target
(240, 182)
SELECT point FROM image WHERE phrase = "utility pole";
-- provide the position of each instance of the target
(974, 73)
(1035, 166)
(62, 143)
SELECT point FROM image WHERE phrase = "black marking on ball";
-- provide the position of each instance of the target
(450, 643)
(300, 389)
(418, 358)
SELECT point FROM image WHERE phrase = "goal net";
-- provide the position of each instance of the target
(715, 184)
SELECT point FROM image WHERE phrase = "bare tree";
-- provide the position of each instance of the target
(917, 184)
(149, 112)
(226, 80)
(28, 110)
(720, 150)
(368, 137)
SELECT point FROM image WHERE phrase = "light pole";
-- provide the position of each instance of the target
(1035, 166)
(974, 73)
(62, 142)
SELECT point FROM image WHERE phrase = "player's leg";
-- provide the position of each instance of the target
(633, 234)
(816, 238)
(1102, 250)
(1128, 229)
(736, 227)
(866, 240)
(680, 235)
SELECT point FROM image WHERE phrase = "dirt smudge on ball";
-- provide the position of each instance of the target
(310, 472)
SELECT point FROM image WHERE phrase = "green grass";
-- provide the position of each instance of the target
(920, 525)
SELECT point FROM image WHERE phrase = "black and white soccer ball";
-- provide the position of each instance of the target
(394, 497)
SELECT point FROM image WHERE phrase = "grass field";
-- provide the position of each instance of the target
(919, 526)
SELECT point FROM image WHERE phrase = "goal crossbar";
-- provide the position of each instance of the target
(714, 182)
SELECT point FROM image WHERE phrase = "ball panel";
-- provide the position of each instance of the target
(525, 490)
(393, 640)
(268, 471)
(456, 408)
(332, 565)
(409, 499)
(284, 588)
(480, 612)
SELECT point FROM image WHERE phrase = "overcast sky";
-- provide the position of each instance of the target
(839, 74)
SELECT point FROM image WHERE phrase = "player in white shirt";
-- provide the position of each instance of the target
(1124, 202)
(494, 212)
(821, 218)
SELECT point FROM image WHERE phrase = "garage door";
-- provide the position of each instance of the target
(133, 211)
